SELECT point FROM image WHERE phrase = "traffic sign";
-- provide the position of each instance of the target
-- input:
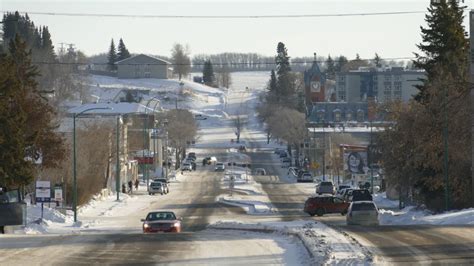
(314, 165)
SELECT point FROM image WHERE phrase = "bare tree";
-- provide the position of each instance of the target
(238, 122)
(182, 129)
(181, 59)
(223, 77)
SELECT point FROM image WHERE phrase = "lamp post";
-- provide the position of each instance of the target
(445, 140)
(369, 153)
(324, 153)
(145, 166)
(117, 166)
(74, 171)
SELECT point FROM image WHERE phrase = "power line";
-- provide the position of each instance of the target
(222, 16)
(214, 64)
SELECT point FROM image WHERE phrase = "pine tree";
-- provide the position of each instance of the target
(122, 52)
(443, 42)
(285, 86)
(377, 60)
(341, 63)
(273, 82)
(112, 57)
(27, 132)
(208, 73)
(330, 68)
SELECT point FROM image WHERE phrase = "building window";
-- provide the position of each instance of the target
(375, 77)
(397, 95)
(388, 87)
(398, 77)
(137, 71)
(387, 78)
(360, 115)
(337, 116)
(341, 95)
(349, 116)
(397, 85)
(341, 78)
(321, 115)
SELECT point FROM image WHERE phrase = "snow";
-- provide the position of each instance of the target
(326, 245)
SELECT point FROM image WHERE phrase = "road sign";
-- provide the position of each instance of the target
(314, 165)
(43, 191)
(58, 194)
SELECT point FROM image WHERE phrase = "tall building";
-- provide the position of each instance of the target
(382, 84)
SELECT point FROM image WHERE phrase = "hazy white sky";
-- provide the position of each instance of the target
(388, 35)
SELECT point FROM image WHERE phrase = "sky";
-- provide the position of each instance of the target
(391, 36)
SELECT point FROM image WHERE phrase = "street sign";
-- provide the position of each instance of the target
(43, 191)
(58, 194)
(314, 165)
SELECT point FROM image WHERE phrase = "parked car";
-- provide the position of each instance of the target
(293, 170)
(192, 155)
(347, 194)
(220, 167)
(326, 187)
(200, 117)
(260, 171)
(362, 213)
(279, 150)
(283, 154)
(341, 187)
(321, 205)
(161, 221)
(286, 162)
(209, 160)
(242, 148)
(156, 188)
(304, 176)
(360, 195)
(186, 167)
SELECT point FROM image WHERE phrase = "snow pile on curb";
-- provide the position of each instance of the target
(411, 215)
(250, 206)
(324, 244)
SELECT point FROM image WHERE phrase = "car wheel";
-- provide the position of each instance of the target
(312, 213)
(320, 212)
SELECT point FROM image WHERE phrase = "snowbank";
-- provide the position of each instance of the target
(324, 244)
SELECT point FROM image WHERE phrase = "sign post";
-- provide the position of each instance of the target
(43, 193)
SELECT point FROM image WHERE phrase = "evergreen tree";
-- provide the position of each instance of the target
(122, 52)
(443, 42)
(377, 60)
(330, 68)
(27, 132)
(285, 86)
(208, 73)
(112, 57)
(273, 82)
(341, 63)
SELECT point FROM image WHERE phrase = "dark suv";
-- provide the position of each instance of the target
(321, 205)
(360, 195)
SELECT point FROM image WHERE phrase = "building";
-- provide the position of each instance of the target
(315, 84)
(383, 84)
(144, 66)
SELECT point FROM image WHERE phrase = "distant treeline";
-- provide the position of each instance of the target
(247, 62)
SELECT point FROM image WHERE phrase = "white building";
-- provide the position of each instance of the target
(384, 84)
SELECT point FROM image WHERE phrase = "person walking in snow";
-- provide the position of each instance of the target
(130, 186)
(136, 184)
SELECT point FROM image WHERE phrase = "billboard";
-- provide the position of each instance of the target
(355, 159)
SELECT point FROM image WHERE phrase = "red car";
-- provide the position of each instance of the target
(325, 203)
(161, 221)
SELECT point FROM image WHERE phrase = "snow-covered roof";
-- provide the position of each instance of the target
(141, 59)
(112, 108)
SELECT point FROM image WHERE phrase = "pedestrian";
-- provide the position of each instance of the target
(136, 184)
(193, 165)
(130, 186)
(124, 189)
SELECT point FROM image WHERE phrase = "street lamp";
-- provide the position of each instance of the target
(145, 166)
(117, 166)
(75, 115)
(324, 153)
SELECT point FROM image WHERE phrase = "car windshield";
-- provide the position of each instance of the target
(326, 183)
(363, 206)
(156, 184)
(157, 216)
